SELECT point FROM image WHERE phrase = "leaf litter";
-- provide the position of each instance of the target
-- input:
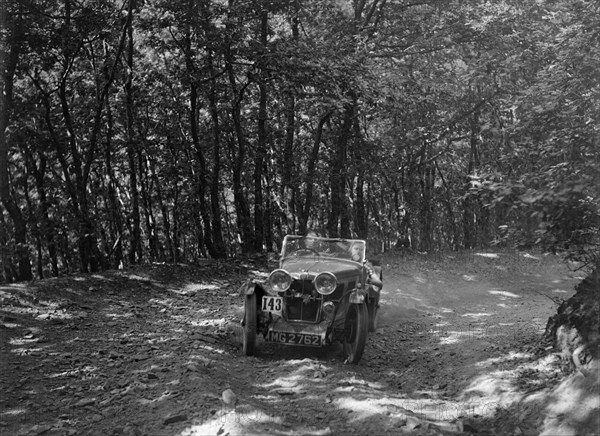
(155, 350)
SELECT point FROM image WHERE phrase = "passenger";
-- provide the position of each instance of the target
(356, 251)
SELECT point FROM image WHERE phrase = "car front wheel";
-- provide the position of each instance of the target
(355, 332)
(373, 310)
(249, 325)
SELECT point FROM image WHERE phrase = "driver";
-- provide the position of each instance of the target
(308, 241)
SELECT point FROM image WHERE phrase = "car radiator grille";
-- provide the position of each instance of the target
(299, 310)
(302, 309)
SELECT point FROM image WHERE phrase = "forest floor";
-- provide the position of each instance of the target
(156, 350)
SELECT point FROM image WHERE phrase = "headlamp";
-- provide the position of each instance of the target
(325, 283)
(280, 280)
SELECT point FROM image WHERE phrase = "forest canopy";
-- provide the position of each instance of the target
(150, 130)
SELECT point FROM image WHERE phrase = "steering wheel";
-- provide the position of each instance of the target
(299, 251)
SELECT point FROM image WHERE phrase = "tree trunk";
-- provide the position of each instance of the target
(244, 221)
(449, 212)
(176, 224)
(163, 209)
(135, 249)
(427, 180)
(289, 189)
(35, 228)
(308, 177)
(469, 212)
(361, 227)
(9, 56)
(116, 250)
(338, 178)
(46, 225)
(205, 231)
(241, 205)
(219, 249)
(8, 271)
(261, 147)
(149, 220)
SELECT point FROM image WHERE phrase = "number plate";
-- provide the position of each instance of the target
(272, 304)
(294, 338)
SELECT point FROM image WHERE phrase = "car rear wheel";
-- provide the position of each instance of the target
(249, 343)
(355, 332)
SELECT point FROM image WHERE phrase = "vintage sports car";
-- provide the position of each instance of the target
(323, 291)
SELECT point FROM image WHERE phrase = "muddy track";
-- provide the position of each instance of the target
(157, 351)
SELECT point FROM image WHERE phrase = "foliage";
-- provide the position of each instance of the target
(155, 130)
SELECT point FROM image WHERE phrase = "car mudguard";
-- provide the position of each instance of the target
(250, 288)
(357, 296)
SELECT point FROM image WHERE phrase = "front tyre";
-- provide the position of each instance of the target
(373, 310)
(355, 332)
(249, 343)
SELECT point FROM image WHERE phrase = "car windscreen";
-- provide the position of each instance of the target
(301, 246)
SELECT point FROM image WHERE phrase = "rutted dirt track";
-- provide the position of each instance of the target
(156, 351)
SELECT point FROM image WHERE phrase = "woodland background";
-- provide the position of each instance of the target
(149, 130)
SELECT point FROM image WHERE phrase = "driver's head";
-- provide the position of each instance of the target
(309, 239)
(356, 251)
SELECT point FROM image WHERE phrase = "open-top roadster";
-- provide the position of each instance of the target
(323, 291)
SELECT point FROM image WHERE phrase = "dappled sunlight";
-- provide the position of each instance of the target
(202, 287)
(10, 325)
(510, 357)
(119, 315)
(488, 255)
(493, 387)
(141, 278)
(503, 293)
(522, 390)
(301, 373)
(84, 372)
(195, 287)
(360, 409)
(162, 301)
(476, 315)
(42, 311)
(354, 382)
(433, 410)
(574, 405)
(248, 420)
(162, 339)
(98, 277)
(26, 351)
(420, 280)
(22, 341)
(13, 412)
(211, 349)
(452, 337)
(12, 286)
(441, 413)
(398, 293)
(215, 322)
